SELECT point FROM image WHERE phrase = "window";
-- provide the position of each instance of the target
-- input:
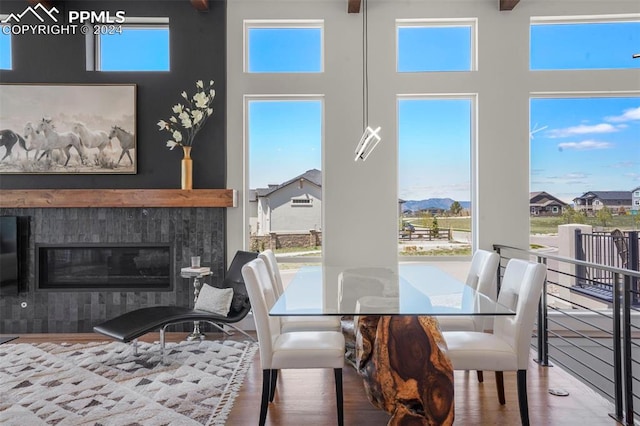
(284, 162)
(142, 45)
(435, 140)
(584, 144)
(5, 46)
(299, 202)
(584, 43)
(284, 46)
(434, 45)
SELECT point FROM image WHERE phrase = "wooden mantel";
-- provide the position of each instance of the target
(39, 198)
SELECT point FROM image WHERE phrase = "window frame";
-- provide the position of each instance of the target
(439, 23)
(93, 43)
(249, 24)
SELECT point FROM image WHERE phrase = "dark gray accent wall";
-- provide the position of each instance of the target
(191, 232)
(198, 43)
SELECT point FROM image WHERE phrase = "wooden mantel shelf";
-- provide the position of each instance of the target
(38, 198)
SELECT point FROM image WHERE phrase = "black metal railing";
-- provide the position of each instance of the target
(597, 342)
(617, 249)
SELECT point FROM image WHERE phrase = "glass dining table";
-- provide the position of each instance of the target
(400, 351)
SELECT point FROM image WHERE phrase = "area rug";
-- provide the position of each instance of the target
(106, 384)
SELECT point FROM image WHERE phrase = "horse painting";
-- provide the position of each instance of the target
(8, 138)
(92, 138)
(57, 140)
(126, 139)
(36, 141)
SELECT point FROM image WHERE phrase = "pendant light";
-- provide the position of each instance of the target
(370, 137)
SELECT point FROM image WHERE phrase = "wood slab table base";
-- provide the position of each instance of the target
(405, 371)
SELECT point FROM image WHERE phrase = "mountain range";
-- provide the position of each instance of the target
(432, 203)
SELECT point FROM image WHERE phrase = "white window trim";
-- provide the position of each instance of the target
(443, 23)
(249, 24)
(92, 43)
(585, 19)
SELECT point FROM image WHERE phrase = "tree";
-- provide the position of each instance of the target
(435, 230)
(455, 208)
(604, 216)
(569, 215)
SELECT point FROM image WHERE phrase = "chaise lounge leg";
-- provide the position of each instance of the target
(135, 347)
(522, 397)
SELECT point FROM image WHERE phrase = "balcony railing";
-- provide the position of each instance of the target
(599, 345)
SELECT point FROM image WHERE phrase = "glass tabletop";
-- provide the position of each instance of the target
(412, 289)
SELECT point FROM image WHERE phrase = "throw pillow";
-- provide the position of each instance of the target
(215, 300)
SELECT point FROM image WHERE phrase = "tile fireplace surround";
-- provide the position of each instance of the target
(190, 230)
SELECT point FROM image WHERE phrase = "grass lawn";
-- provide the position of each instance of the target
(539, 225)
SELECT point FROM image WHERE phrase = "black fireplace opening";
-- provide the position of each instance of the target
(110, 267)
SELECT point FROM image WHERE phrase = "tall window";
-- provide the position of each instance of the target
(285, 157)
(583, 144)
(434, 139)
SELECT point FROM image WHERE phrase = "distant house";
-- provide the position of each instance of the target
(544, 204)
(635, 200)
(592, 201)
(290, 207)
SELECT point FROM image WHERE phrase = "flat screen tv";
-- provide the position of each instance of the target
(10, 271)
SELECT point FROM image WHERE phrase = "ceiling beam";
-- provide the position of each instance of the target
(508, 4)
(201, 5)
(353, 6)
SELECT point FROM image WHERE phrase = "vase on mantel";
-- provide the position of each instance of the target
(187, 169)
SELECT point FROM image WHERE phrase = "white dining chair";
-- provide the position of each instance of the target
(507, 347)
(296, 349)
(482, 278)
(297, 323)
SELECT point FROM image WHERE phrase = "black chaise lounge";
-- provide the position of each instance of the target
(128, 327)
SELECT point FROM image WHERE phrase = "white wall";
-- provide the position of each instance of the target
(362, 197)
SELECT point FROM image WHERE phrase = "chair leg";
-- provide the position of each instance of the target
(162, 342)
(272, 385)
(500, 386)
(264, 403)
(480, 376)
(522, 397)
(135, 347)
(337, 372)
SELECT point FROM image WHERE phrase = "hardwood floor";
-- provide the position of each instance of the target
(307, 397)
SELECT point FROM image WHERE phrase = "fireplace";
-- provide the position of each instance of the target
(104, 267)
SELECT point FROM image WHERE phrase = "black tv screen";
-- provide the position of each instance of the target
(9, 255)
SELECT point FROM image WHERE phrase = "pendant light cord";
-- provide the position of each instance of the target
(365, 68)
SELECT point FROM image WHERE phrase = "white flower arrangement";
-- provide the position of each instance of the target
(188, 119)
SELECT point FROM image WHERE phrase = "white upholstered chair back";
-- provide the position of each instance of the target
(270, 260)
(258, 282)
(482, 276)
(520, 290)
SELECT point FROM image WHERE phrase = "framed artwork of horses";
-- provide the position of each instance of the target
(68, 128)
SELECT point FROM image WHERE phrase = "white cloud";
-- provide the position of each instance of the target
(584, 145)
(582, 130)
(623, 164)
(628, 115)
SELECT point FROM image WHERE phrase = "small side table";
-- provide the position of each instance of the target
(197, 285)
